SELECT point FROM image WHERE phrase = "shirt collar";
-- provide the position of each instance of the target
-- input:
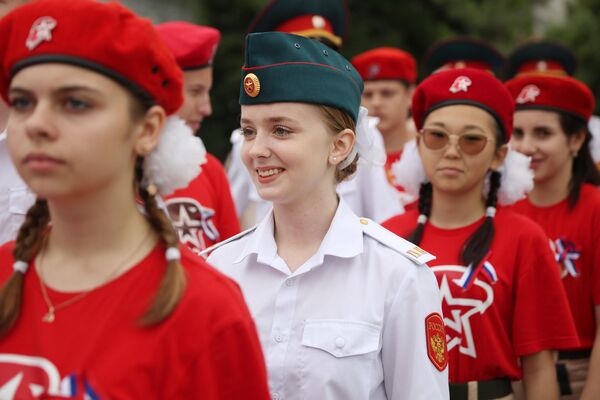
(343, 239)
(3, 135)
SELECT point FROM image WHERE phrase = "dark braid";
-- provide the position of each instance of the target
(28, 243)
(173, 282)
(479, 243)
(425, 201)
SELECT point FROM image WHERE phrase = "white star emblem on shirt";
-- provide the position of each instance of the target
(459, 318)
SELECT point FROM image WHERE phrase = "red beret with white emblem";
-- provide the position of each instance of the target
(104, 37)
(194, 46)
(386, 63)
(464, 86)
(558, 93)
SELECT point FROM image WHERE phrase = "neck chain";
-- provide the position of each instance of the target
(50, 316)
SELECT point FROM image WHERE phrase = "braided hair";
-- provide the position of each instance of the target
(478, 244)
(30, 238)
(29, 241)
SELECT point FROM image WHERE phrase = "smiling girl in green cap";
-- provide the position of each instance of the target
(344, 308)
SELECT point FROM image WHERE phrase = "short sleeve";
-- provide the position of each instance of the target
(409, 371)
(231, 366)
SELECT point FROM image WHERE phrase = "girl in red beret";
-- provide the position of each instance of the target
(98, 300)
(551, 127)
(504, 307)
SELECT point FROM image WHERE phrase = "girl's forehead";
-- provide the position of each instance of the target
(56, 76)
(291, 111)
(460, 115)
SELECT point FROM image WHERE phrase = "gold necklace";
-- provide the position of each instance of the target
(50, 316)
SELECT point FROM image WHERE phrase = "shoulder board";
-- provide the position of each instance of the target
(407, 249)
(204, 253)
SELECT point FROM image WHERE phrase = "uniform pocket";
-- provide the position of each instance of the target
(341, 338)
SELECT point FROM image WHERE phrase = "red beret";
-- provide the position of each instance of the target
(464, 86)
(194, 46)
(106, 38)
(386, 63)
(559, 93)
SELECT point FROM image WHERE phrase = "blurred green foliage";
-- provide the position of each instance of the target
(412, 25)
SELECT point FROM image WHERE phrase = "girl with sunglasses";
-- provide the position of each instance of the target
(98, 299)
(551, 127)
(504, 307)
(344, 309)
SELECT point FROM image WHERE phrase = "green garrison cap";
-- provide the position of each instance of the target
(321, 19)
(281, 67)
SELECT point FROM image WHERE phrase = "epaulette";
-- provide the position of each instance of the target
(407, 249)
(204, 253)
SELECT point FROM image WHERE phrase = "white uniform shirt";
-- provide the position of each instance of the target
(368, 192)
(15, 196)
(349, 323)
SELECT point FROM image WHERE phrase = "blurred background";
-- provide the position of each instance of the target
(411, 25)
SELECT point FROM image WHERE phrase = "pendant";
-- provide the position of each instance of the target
(49, 316)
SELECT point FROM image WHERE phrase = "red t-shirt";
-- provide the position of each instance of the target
(492, 322)
(206, 349)
(203, 213)
(575, 235)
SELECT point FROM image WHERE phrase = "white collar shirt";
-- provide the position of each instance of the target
(348, 324)
(15, 196)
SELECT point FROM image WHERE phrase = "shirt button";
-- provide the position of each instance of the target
(278, 338)
(276, 396)
(340, 342)
(289, 282)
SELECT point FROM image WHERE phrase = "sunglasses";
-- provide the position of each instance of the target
(468, 143)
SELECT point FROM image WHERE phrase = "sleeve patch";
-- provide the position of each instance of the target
(436, 341)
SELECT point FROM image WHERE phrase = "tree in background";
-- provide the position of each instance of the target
(581, 33)
(412, 25)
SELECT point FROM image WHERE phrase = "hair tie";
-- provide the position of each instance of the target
(490, 212)
(21, 266)
(422, 219)
(173, 254)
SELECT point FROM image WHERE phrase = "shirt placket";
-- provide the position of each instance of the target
(283, 319)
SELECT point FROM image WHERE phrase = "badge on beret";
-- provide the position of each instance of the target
(528, 94)
(318, 22)
(461, 84)
(436, 341)
(40, 31)
(252, 85)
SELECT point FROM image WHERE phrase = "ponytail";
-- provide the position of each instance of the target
(28, 243)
